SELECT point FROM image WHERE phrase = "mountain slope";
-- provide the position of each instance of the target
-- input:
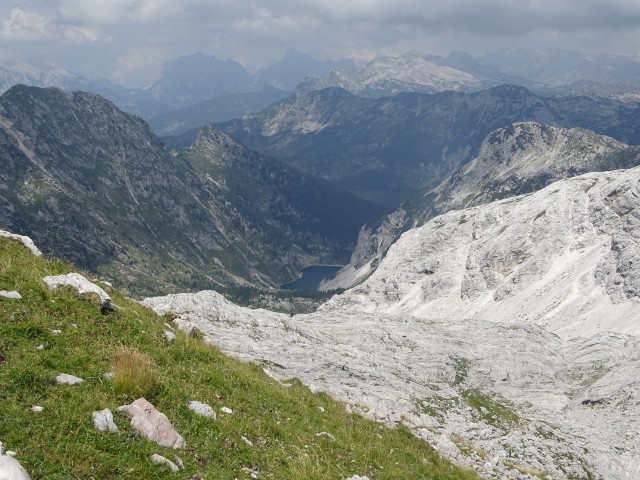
(94, 185)
(506, 334)
(521, 158)
(221, 109)
(272, 430)
(386, 149)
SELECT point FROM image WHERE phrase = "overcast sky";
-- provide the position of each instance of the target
(127, 40)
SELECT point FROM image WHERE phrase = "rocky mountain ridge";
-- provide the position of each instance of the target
(386, 149)
(507, 334)
(385, 75)
(521, 158)
(94, 185)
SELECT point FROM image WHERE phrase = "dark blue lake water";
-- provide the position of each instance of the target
(311, 277)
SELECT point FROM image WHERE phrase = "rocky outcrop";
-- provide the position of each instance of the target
(510, 330)
(81, 285)
(26, 241)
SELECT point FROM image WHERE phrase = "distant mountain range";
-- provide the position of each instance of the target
(95, 186)
(183, 82)
(385, 149)
(560, 71)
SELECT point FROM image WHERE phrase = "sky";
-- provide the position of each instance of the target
(127, 41)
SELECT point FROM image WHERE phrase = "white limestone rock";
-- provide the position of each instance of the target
(103, 420)
(357, 477)
(66, 379)
(202, 409)
(152, 424)
(530, 305)
(326, 434)
(10, 468)
(160, 460)
(10, 294)
(81, 284)
(185, 326)
(26, 241)
(169, 336)
(37, 409)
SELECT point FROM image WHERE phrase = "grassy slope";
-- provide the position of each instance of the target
(61, 442)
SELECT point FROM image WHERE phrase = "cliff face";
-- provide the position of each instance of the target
(94, 185)
(510, 328)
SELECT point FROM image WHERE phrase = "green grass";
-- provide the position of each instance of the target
(62, 443)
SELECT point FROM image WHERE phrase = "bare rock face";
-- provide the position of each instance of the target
(152, 424)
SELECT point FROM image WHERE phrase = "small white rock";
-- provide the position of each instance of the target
(103, 420)
(108, 375)
(66, 379)
(326, 434)
(226, 410)
(202, 409)
(321, 409)
(56, 332)
(170, 336)
(12, 294)
(37, 408)
(160, 460)
(246, 440)
(40, 347)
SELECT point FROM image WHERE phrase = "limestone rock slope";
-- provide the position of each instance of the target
(505, 334)
(521, 158)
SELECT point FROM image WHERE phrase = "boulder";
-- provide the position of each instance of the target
(10, 468)
(152, 424)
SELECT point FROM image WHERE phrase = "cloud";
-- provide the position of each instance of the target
(23, 25)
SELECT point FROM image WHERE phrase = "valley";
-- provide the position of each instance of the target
(444, 245)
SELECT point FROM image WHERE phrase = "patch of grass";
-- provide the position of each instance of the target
(461, 366)
(490, 410)
(61, 442)
(134, 372)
